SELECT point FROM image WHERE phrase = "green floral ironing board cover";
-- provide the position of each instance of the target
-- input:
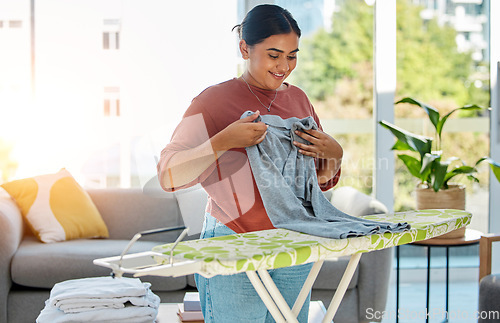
(277, 248)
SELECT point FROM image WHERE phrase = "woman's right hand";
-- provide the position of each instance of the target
(240, 134)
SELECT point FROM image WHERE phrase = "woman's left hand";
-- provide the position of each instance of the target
(322, 145)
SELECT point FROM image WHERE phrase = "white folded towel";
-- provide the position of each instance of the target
(83, 305)
(128, 314)
(97, 287)
(101, 299)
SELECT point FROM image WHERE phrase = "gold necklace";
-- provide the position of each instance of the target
(267, 107)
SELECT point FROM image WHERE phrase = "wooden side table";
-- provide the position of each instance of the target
(471, 238)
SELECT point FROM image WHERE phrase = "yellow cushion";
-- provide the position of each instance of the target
(57, 208)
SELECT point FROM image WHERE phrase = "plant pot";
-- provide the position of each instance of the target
(451, 198)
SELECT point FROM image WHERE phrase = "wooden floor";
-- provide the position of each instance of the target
(168, 313)
(463, 297)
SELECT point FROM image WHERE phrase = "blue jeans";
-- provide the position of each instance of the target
(233, 299)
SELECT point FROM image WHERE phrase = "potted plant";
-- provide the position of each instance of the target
(435, 189)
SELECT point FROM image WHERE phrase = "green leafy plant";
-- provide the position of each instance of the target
(428, 165)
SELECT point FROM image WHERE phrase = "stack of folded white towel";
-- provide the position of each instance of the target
(101, 299)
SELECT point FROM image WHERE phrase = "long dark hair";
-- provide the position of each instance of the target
(264, 21)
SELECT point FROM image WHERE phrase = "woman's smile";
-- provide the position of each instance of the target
(271, 61)
(278, 76)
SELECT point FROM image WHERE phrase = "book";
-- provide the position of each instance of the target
(192, 302)
(189, 316)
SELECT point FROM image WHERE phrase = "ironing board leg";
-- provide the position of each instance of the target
(341, 289)
(304, 292)
(276, 295)
(275, 302)
(271, 295)
(264, 295)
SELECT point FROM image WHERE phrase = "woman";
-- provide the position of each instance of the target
(208, 147)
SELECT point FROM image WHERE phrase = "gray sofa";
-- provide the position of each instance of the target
(29, 268)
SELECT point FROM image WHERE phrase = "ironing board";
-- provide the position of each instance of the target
(256, 252)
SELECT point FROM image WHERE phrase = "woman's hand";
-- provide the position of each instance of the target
(325, 148)
(240, 134)
(322, 145)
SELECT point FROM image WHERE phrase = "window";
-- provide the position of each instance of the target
(111, 40)
(447, 50)
(444, 52)
(12, 24)
(111, 101)
(15, 24)
(340, 86)
(111, 34)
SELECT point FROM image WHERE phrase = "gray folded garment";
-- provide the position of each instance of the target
(288, 184)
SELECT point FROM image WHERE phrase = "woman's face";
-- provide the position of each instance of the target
(271, 61)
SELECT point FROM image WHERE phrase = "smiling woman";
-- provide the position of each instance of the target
(209, 147)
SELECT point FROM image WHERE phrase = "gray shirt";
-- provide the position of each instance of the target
(288, 184)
